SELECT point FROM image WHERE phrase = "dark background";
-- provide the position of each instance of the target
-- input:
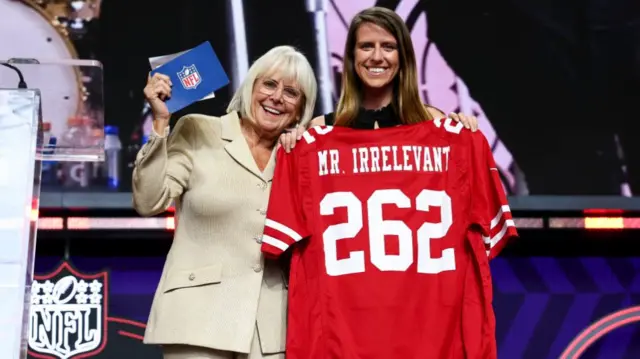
(558, 78)
(169, 28)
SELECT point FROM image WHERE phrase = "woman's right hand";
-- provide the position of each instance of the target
(157, 90)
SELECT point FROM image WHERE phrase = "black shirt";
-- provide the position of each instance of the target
(366, 119)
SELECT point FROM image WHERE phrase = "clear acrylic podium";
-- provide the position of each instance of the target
(23, 149)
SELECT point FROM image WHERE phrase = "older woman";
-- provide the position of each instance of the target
(218, 297)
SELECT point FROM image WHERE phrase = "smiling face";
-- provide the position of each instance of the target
(376, 58)
(276, 103)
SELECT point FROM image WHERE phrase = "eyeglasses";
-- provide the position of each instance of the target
(289, 94)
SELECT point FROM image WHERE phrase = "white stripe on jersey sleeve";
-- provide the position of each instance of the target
(283, 229)
(274, 242)
(493, 240)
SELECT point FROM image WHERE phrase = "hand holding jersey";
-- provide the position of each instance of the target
(392, 232)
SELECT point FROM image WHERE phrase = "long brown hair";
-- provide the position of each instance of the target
(406, 96)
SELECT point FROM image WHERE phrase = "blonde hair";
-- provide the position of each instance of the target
(406, 95)
(292, 65)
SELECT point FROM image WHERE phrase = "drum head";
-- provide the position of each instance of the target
(26, 31)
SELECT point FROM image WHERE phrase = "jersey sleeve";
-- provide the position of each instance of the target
(489, 207)
(285, 223)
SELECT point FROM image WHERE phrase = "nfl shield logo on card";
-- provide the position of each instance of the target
(68, 316)
(189, 77)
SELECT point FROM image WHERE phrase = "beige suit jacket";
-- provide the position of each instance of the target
(215, 285)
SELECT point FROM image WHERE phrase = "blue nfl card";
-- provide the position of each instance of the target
(194, 74)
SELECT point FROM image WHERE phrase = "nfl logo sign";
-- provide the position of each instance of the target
(68, 316)
(189, 77)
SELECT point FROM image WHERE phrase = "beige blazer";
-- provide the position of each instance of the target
(215, 285)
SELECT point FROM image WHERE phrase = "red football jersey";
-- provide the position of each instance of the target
(392, 231)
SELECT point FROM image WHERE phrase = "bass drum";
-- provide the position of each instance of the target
(27, 31)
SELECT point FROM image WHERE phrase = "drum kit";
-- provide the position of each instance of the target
(46, 30)
(70, 16)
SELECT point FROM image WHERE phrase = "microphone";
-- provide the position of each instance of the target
(21, 83)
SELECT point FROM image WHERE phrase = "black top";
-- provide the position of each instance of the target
(366, 119)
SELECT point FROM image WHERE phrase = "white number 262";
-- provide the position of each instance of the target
(379, 228)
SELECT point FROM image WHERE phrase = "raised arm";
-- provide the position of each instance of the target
(163, 165)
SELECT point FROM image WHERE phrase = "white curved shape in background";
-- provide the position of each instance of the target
(26, 32)
(444, 89)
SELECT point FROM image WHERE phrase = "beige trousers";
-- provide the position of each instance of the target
(193, 352)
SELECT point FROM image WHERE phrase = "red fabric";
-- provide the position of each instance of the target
(392, 231)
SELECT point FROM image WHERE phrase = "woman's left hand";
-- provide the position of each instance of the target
(289, 138)
(469, 122)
